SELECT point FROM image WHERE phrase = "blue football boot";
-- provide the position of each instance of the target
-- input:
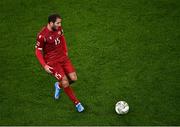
(57, 90)
(79, 107)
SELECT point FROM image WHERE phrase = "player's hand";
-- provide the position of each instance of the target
(48, 69)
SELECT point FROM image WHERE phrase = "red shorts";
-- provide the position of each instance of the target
(60, 69)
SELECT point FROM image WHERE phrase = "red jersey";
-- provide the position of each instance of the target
(53, 44)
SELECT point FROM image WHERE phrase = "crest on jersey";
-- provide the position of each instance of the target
(59, 32)
(50, 38)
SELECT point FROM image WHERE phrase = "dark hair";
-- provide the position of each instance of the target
(53, 17)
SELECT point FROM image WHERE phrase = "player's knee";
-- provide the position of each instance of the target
(74, 78)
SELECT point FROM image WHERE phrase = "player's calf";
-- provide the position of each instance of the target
(70, 93)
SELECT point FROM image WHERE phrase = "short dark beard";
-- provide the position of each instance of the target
(53, 28)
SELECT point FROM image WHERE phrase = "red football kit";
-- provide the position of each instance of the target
(53, 45)
(51, 50)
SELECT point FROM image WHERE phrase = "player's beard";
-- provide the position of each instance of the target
(54, 28)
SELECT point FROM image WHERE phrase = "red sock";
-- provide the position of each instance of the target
(69, 91)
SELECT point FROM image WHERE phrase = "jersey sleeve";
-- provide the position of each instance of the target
(63, 41)
(40, 42)
(65, 49)
(39, 46)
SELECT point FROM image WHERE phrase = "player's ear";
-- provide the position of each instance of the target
(51, 23)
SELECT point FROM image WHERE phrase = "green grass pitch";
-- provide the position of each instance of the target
(122, 50)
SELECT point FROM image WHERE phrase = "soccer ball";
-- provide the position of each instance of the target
(121, 107)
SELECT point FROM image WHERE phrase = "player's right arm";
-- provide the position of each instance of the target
(38, 51)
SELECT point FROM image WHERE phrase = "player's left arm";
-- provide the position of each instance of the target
(64, 43)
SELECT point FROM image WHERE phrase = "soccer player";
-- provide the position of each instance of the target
(51, 51)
